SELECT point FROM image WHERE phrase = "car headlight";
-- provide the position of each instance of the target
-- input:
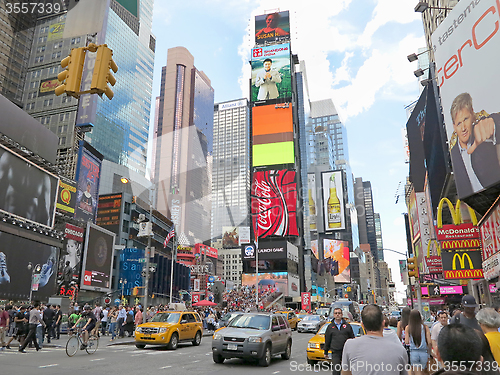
(217, 336)
(163, 330)
(255, 339)
(138, 329)
(313, 345)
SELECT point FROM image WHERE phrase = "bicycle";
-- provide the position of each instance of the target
(75, 342)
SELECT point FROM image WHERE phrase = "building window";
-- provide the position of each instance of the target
(40, 49)
(63, 117)
(38, 59)
(62, 141)
(30, 106)
(125, 226)
(32, 95)
(53, 69)
(58, 45)
(56, 55)
(66, 99)
(45, 120)
(42, 39)
(63, 129)
(34, 85)
(44, 29)
(47, 102)
(75, 40)
(36, 74)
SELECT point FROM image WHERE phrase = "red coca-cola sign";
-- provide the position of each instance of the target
(306, 301)
(274, 203)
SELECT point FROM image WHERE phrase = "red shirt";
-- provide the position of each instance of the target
(4, 315)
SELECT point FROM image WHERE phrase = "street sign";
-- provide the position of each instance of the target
(36, 282)
(153, 264)
(211, 279)
(142, 260)
(117, 301)
(107, 300)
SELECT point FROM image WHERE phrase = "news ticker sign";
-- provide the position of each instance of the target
(462, 264)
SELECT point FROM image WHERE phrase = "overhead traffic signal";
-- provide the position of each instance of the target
(71, 77)
(102, 72)
(411, 263)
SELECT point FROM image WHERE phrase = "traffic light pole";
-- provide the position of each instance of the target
(148, 254)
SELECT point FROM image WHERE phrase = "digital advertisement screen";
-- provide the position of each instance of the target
(70, 263)
(130, 269)
(97, 258)
(312, 202)
(467, 74)
(271, 73)
(88, 173)
(338, 252)
(267, 280)
(333, 198)
(26, 190)
(274, 203)
(272, 28)
(108, 212)
(66, 196)
(16, 254)
(230, 237)
(272, 135)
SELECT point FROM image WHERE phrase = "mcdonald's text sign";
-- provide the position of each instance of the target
(457, 232)
(462, 264)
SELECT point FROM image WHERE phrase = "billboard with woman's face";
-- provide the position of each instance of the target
(272, 28)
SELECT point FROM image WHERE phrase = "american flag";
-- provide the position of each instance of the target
(169, 236)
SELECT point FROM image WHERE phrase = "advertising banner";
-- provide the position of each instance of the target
(293, 285)
(466, 48)
(451, 289)
(70, 263)
(491, 267)
(271, 73)
(338, 253)
(16, 254)
(97, 258)
(434, 264)
(270, 250)
(47, 86)
(274, 203)
(88, 172)
(244, 235)
(333, 198)
(413, 215)
(230, 237)
(195, 298)
(272, 135)
(490, 232)
(272, 28)
(26, 190)
(312, 199)
(130, 269)
(210, 252)
(451, 233)
(56, 31)
(108, 212)
(305, 301)
(462, 264)
(66, 196)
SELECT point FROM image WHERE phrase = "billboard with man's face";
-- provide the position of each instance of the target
(271, 73)
(272, 28)
(466, 53)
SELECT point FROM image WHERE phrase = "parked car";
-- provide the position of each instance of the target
(253, 336)
(311, 323)
(170, 328)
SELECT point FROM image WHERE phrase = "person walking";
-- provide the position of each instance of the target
(336, 335)
(120, 322)
(104, 320)
(4, 325)
(57, 322)
(442, 320)
(34, 321)
(418, 337)
(112, 317)
(48, 318)
(489, 320)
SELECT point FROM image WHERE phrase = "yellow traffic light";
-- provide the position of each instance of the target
(71, 77)
(102, 74)
(135, 291)
(412, 267)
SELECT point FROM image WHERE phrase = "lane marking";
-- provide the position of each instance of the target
(164, 367)
(97, 359)
(276, 372)
(55, 364)
(195, 361)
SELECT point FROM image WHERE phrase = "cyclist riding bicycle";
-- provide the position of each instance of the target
(91, 320)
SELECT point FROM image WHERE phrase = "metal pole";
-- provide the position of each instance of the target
(31, 285)
(148, 253)
(257, 274)
(174, 250)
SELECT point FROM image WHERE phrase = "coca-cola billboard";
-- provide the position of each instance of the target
(274, 203)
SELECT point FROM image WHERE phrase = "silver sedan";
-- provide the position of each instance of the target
(310, 323)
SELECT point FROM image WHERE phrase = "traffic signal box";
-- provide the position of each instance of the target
(102, 72)
(71, 77)
(411, 263)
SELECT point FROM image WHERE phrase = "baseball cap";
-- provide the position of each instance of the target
(469, 301)
(87, 307)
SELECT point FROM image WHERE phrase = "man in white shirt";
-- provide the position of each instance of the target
(436, 328)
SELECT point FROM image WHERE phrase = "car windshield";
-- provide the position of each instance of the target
(166, 318)
(312, 318)
(251, 321)
(230, 316)
(323, 328)
(357, 330)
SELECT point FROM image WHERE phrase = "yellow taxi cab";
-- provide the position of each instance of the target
(292, 318)
(316, 345)
(169, 328)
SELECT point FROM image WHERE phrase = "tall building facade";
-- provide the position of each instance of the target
(120, 126)
(184, 143)
(231, 167)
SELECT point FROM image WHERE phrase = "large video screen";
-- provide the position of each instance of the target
(338, 254)
(467, 74)
(333, 200)
(267, 280)
(88, 173)
(272, 28)
(16, 254)
(26, 190)
(70, 263)
(272, 135)
(97, 258)
(271, 73)
(274, 203)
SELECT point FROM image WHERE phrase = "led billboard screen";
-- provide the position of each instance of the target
(88, 173)
(15, 278)
(108, 212)
(274, 203)
(466, 67)
(312, 199)
(230, 237)
(70, 263)
(272, 28)
(272, 135)
(26, 190)
(338, 252)
(267, 280)
(271, 73)
(333, 198)
(97, 258)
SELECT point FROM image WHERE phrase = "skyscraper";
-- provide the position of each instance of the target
(184, 143)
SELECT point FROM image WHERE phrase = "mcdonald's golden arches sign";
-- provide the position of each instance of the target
(462, 264)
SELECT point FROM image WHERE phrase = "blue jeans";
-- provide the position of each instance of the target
(419, 358)
(39, 335)
(112, 329)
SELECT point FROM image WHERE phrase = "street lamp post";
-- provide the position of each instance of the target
(34, 270)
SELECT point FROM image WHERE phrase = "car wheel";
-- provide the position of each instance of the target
(140, 346)
(311, 361)
(286, 355)
(197, 339)
(266, 357)
(218, 358)
(174, 341)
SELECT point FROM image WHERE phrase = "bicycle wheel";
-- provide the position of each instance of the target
(92, 345)
(72, 346)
